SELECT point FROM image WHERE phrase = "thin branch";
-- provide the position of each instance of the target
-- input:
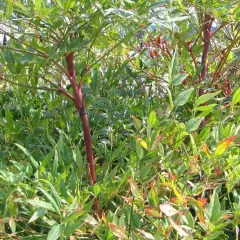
(107, 53)
(28, 86)
(20, 50)
(28, 45)
(219, 28)
(64, 92)
(223, 60)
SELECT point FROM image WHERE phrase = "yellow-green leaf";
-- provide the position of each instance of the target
(142, 143)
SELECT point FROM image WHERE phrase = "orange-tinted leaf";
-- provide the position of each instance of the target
(178, 194)
(201, 216)
(152, 212)
(218, 169)
(224, 145)
(118, 231)
(128, 200)
(226, 216)
(171, 139)
(104, 217)
(206, 150)
(202, 202)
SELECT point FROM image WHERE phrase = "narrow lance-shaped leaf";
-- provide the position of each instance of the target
(152, 118)
(146, 234)
(134, 189)
(118, 231)
(41, 204)
(206, 97)
(30, 157)
(37, 214)
(224, 145)
(174, 64)
(182, 98)
(55, 232)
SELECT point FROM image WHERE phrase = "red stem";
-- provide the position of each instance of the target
(79, 103)
(206, 38)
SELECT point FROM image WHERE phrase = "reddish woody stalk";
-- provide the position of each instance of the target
(208, 20)
(79, 103)
(206, 38)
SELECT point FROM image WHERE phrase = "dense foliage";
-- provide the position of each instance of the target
(160, 86)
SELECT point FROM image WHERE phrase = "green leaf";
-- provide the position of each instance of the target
(42, 204)
(236, 97)
(206, 108)
(37, 214)
(174, 64)
(9, 9)
(214, 206)
(55, 232)
(9, 57)
(204, 98)
(32, 160)
(9, 118)
(51, 200)
(183, 97)
(178, 79)
(193, 124)
(137, 123)
(170, 98)
(152, 118)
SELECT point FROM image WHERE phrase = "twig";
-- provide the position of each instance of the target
(28, 86)
(20, 50)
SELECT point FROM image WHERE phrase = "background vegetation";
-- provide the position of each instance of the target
(159, 81)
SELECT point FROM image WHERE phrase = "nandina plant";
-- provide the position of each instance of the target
(52, 46)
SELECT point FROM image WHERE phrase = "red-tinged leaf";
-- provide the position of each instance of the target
(224, 145)
(174, 200)
(178, 194)
(205, 149)
(226, 216)
(146, 234)
(134, 189)
(218, 169)
(201, 217)
(154, 194)
(152, 212)
(202, 202)
(104, 217)
(194, 167)
(168, 209)
(128, 200)
(118, 231)
(179, 229)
